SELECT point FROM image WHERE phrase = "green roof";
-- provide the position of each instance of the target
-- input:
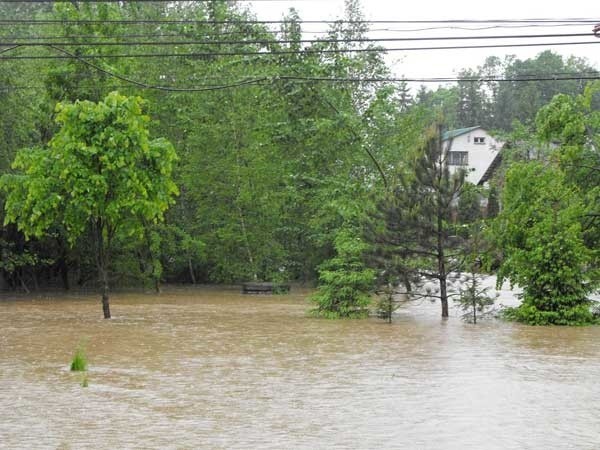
(451, 134)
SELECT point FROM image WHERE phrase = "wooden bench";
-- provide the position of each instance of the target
(265, 288)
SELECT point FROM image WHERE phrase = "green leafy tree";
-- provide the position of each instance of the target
(493, 205)
(469, 204)
(472, 100)
(345, 281)
(180, 253)
(13, 261)
(100, 173)
(573, 123)
(443, 100)
(539, 233)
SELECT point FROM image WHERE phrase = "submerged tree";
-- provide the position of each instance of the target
(473, 297)
(539, 232)
(573, 122)
(100, 174)
(345, 281)
(413, 227)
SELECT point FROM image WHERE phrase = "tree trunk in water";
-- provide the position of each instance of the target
(444, 298)
(102, 261)
(64, 275)
(63, 265)
(34, 277)
(105, 303)
(192, 274)
(441, 257)
(23, 285)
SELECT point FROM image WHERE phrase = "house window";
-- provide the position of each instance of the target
(479, 140)
(458, 158)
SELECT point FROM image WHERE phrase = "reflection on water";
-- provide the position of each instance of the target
(211, 368)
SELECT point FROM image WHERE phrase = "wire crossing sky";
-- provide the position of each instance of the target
(428, 42)
(438, 17)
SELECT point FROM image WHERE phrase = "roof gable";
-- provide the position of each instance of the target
(451, 134)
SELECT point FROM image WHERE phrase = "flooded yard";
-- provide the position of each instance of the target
(211, 368)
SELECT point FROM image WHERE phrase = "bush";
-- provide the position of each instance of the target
(542, 241)
(529, 314)
(79, 363)
(346, 283)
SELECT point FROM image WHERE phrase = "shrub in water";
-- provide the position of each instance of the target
(345, 282)
(79, 363)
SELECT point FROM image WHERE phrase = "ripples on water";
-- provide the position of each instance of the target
(211, 368)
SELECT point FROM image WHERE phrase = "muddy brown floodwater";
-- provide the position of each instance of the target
(211, 368)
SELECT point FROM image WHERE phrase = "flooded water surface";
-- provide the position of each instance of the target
(211, 368)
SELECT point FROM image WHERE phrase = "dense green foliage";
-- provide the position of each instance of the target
(99, 174)
(413, 234)
(345, 281)
(263, 167)
(548, 233)
(469, 204)
(539, 231)
(573, 123)
(273, 164)
(497, 105)
(100, 167)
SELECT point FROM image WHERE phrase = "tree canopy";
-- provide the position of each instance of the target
(100, 173)
(286, 147)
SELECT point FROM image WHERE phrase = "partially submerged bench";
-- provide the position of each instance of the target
(265, 288)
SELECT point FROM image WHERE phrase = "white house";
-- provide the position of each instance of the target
(472, 149)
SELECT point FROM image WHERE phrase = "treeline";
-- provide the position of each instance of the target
(265, 168)
(276, 170)
(480, 99)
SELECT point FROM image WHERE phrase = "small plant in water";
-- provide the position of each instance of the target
(473, 298)
(388, 302)
(84, 381)
(79, 363)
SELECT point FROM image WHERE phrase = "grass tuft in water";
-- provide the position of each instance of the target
(84, 381)
(79, 363)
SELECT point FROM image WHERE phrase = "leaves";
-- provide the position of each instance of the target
(99, 172)
(345, 281)
(540, 234)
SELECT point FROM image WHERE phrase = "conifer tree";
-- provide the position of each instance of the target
(413, 230)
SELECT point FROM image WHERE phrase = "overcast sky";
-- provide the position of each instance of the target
(447, 63)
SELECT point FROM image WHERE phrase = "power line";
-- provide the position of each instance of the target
(294, 52)
(121, 36)
(263, 22)
(154, 87)
(532, 77)
(299, 41)
(222, 79)
(264, 81)
(547, 76)
(4, 50)
(246, 32)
